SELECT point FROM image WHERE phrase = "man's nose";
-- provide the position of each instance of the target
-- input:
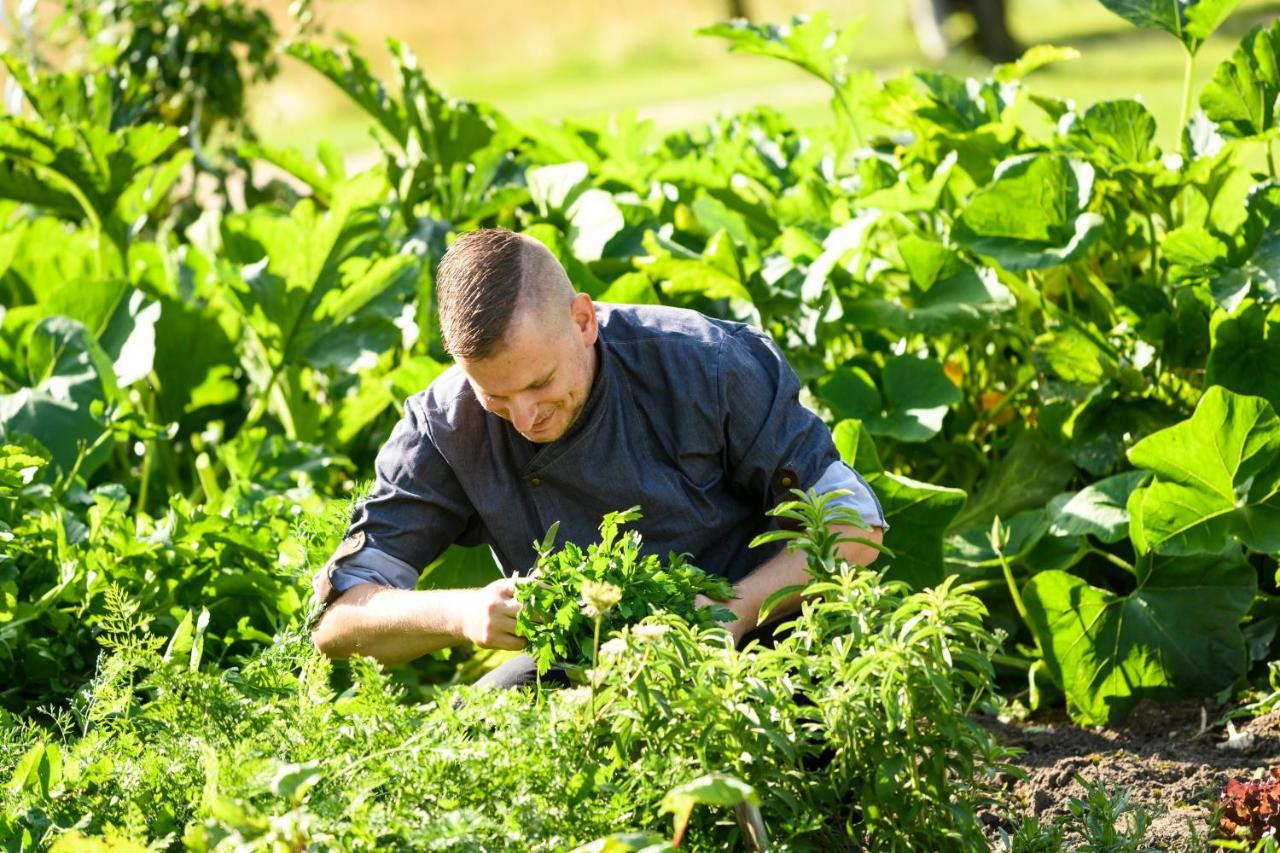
(524, 413)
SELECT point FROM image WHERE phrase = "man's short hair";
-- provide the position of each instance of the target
(478, 287)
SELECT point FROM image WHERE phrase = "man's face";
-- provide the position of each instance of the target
(541, 375)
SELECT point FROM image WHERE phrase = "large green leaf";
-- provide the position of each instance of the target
(912, 189)
(964, 105)
(349, 71)
(1033, 214)
(1177, 634)
(379, 390)
(1077, 353)
(928, 261)
(66, 372)
(1243, 94)
(917, 395)
(1246, 352)
(112, 179)
(810, 42)
(1189, 21)
(918, 513)
(591, 216)
(314, 287)
(1119, 133)
(1238, 264)
(807, 41)
(680, 273)
(58, 270)
(968, 300)
(443, 152)
(1217, 478)
(1028, 476)
(459, 568)
(1100, 509)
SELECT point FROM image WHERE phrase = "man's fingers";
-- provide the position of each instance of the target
(508, 642)
(502, 623)
(505, 587)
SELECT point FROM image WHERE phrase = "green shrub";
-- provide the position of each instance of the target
(851, 730)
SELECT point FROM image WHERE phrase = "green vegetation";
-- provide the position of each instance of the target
(619, 587)
(579, 60)
(1046, 339)
(861, 738)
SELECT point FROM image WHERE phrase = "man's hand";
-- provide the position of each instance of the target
(786, 568)
(738, 627)
(489, 619)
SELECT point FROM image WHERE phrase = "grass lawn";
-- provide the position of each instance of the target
(573, 59)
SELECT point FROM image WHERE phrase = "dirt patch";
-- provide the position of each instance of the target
(1172, 763)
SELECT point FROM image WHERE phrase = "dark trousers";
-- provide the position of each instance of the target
(523, 672)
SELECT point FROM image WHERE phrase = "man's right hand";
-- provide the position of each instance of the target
(489, 619)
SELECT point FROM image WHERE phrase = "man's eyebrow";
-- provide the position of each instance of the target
(537, 383)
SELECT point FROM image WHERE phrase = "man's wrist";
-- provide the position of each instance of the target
(745, 608)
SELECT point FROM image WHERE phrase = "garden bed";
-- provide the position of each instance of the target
(1175, 766)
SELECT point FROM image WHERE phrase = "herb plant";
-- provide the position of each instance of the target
(851, 733)
(576, 596)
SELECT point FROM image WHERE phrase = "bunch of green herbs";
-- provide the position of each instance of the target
(617, 583)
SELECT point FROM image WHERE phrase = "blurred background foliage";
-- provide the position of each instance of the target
(579, 59)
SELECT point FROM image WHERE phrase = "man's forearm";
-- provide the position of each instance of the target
(392, 625)
(787, 568)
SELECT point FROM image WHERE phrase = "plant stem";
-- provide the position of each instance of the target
(148, 460)
(1010, 660)
(848, 111)
(1013, 589)
(1155, 258)
(1113, 559)
(1271, 160)
(1186, 92)
(595, 664)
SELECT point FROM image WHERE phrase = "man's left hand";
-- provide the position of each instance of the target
(738, 627)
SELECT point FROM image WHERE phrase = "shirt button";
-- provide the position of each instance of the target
(535, 481)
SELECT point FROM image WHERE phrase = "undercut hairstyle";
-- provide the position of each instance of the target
(484, 279)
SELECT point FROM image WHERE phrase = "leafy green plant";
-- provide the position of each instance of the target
(1032, 836)
(814, 743)
(238, 560)
(1190, 23)
(194, 61)
(1249, 810)
(576, 597)
(1107, 821)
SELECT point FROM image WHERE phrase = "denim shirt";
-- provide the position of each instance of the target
(694, 419)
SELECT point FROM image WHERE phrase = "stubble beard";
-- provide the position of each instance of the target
(577, 410)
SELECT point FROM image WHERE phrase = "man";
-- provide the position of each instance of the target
(560, 409)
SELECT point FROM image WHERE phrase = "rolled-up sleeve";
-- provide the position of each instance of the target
(415, 509)
(861, 498)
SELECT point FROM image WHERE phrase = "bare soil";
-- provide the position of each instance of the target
(1175, 765)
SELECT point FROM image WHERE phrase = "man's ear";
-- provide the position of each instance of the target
(583, 311)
